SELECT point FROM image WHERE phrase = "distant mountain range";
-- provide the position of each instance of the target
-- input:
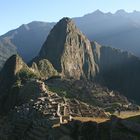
(29, 38)
(118, 30)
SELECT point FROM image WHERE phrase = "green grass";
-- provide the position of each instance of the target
(61, 92)
(26, 74)
(74, 93)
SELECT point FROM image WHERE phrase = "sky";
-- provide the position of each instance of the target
(14, 13)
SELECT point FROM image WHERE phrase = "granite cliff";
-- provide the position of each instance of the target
(44, 69)
(69, 51)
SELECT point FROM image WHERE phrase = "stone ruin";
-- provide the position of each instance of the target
(57, 109)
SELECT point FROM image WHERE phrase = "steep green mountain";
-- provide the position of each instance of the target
(44, 69)
(69, 51)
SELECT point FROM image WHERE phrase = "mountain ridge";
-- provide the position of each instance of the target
(117, 31)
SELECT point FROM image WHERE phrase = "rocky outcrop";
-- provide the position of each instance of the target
(14, 73)
(96, 48)
(13, 70)
(44, 68)
(69, 51)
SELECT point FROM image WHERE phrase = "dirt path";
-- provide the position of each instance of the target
(123, 115)
(85, 119)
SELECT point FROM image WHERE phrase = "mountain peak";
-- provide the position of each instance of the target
(13, 65)
(95, 13)
(69, 51)
(66, 19)
(24, 27)
(121, 12)
(98, 11)
(136, 12)
(66, 22)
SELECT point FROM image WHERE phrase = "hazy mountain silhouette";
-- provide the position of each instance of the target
(119, 30)
(28, 39)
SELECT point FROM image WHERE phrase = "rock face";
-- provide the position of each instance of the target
(12, 66)
(44, 68)
(69, 51)
(118, 70)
